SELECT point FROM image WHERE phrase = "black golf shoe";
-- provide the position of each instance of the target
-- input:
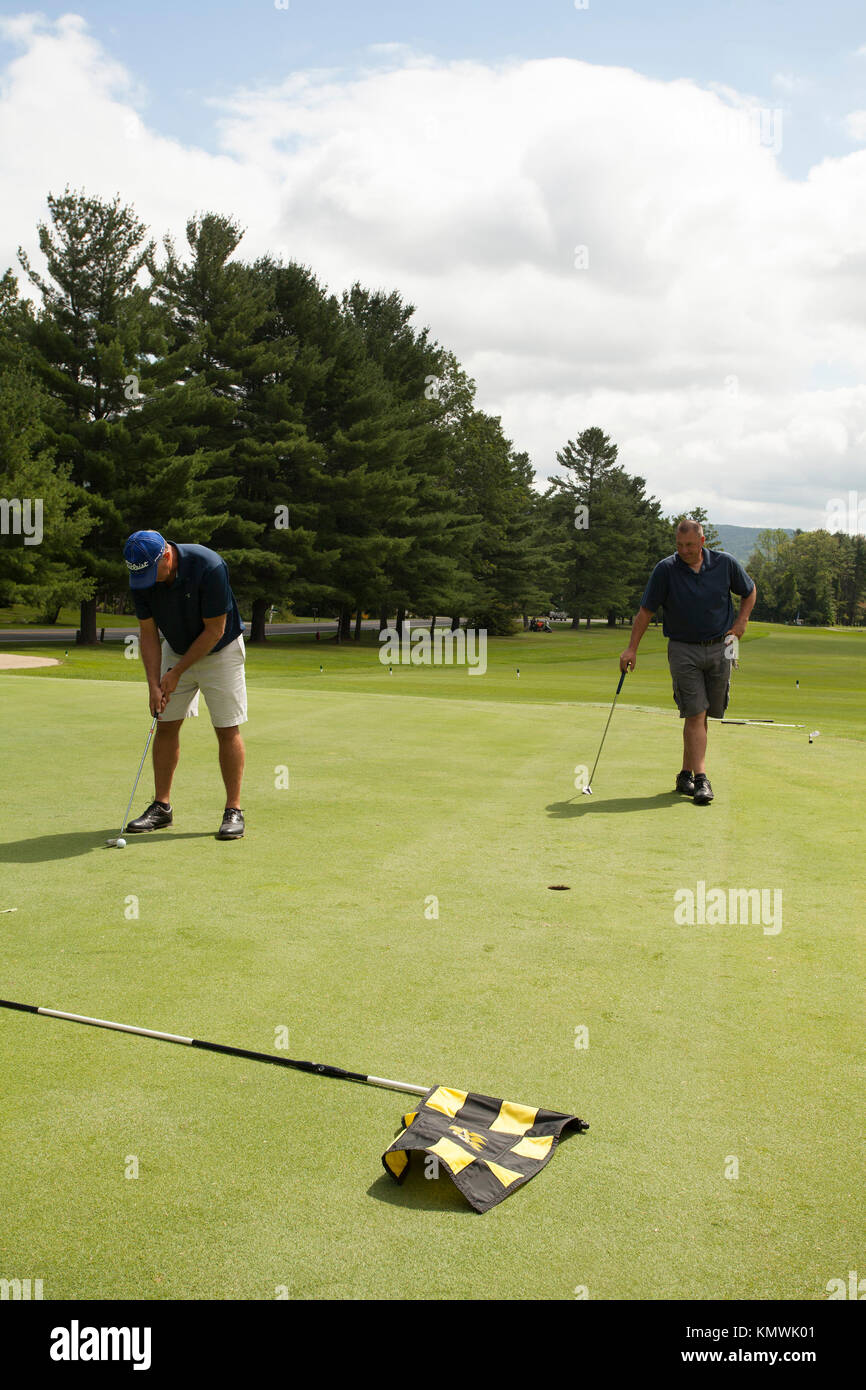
(703, 790)
(155, 817)
(232, 827)
(685, 783)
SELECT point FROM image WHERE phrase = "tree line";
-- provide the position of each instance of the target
(330, 450)
(814, 576)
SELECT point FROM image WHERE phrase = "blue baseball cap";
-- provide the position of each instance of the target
(142, 553)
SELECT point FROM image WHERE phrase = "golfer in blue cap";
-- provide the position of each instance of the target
(182, 594)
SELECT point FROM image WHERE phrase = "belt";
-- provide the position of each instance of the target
(706, 642)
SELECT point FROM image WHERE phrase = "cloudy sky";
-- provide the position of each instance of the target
(645, 216)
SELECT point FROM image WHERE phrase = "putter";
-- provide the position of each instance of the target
(111, 844)
(587, 790)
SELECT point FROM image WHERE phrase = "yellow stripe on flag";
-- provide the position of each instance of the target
(505, 1175)
(452, 1155)
(446, 1101)
(397, 1161)
(534, 1146)
(514, 1119)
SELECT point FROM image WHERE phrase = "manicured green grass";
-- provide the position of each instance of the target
(554, 668)
(25, 615)
(706, 1043)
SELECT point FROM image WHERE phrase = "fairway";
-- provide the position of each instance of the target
(390, 910)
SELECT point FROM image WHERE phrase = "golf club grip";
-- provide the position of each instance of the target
(621, 679)
(22, 1008)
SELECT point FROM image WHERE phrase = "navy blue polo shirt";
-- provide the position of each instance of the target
(697, 606)
(200, 590)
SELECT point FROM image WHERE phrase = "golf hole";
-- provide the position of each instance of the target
(559, 887)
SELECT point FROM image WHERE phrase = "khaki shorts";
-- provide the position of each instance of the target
(219, 676)
(701, 677)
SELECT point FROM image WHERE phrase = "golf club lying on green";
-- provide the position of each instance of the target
(587, 790)
(119, 842)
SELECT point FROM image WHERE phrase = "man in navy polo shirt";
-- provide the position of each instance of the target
(694, 588)
(183, 593)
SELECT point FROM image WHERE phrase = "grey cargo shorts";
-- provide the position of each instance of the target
(701, 676)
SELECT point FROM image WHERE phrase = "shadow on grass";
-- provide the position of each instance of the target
(420, 1193)
(584, 805)
(44, 847)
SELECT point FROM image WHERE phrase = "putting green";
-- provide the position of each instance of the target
(712, 1048)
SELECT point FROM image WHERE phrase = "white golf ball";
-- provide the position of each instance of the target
(121, 844)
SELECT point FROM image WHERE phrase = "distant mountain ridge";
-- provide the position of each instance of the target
(739, 541)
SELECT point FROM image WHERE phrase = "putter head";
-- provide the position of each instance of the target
(587, 791)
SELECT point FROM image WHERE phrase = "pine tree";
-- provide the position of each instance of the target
(44, 511)
(495, 485)
(90, 344)
(239, 365)
(430, 574)
(357, 491)
(609, 533)
(588, 542)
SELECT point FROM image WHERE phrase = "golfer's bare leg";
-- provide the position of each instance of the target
(231, 762)
(695, 742)
(166, 751)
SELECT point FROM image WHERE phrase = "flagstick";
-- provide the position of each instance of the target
(319, 1068)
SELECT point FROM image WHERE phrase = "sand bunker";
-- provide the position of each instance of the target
(9, 661)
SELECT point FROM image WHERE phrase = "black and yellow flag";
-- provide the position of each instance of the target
(489, 1147)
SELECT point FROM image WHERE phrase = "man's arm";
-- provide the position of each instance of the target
(628, 659)
(204, 643)
(148, 645)
(746, 606)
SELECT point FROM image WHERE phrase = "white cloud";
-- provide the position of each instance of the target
(714, 282)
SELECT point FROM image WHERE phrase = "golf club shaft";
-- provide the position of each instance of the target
(607, 725)
(319, 1068)
(762, 723)
(138, 774)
